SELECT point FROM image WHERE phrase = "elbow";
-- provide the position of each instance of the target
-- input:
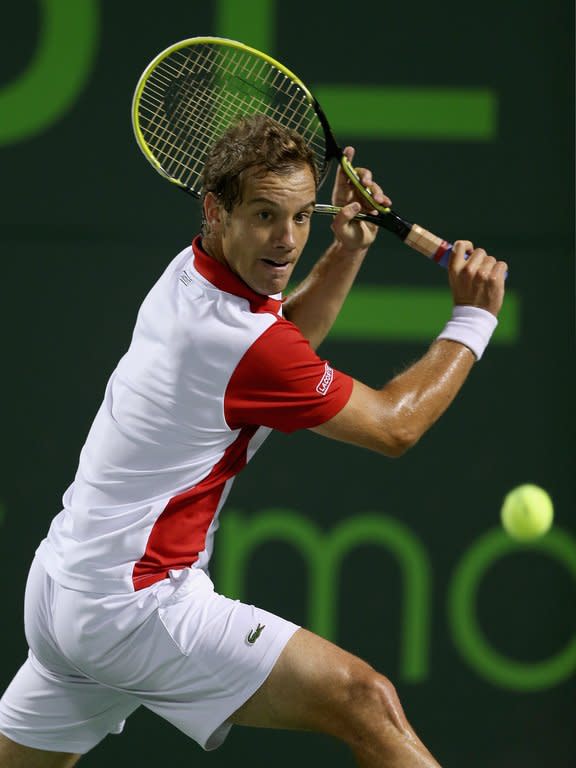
(395, 451)
(398, 448)
(399, 441)
(402, 427)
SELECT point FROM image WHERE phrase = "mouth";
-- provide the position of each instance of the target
(277, 265)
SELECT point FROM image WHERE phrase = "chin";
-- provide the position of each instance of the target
(271, 287)
(280, 288)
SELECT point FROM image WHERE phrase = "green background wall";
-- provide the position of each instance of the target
(485, 668)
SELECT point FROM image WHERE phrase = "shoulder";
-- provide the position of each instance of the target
(282, 383)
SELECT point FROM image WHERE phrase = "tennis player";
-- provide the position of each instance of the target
(120, 610)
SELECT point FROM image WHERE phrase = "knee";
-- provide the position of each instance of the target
(373, 701)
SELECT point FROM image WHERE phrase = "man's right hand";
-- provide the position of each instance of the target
(476, 279)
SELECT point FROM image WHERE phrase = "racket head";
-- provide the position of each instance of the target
(194, 90)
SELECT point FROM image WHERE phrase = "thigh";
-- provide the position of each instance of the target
(316, 686)
(17, 756)
(309, 688)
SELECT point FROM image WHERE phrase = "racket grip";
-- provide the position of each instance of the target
(429, 245)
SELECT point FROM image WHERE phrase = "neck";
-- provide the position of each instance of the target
(213, 248)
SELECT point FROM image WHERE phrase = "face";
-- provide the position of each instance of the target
(262, 238)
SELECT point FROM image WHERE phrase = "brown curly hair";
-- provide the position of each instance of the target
(254, 141)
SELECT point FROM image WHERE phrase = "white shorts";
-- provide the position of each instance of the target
(180, 649)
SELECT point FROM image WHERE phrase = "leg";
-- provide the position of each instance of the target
(13, 755)
(317, 686)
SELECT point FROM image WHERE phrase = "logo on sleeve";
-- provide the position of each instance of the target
(324, 383)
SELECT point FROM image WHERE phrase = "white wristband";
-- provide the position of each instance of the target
(472, 327)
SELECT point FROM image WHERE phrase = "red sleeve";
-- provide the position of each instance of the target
(282, 383)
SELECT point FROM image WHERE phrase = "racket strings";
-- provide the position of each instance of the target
(235, 102)
(161, 138)
(156, 124)
(179, 138)
(291, 114)
(195, 94)
(239, 71)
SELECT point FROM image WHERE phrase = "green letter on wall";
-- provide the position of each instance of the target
(324, 553)
(57, 73)
(462, 613)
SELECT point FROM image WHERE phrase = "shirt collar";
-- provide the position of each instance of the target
(223, 278)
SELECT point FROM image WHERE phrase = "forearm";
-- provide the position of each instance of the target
(391, 420)
(315, 303)
(415, 399)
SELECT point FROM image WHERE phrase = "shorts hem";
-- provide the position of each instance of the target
(34, 743)
(216, 736)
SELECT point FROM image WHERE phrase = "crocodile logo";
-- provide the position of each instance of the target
(254, 634)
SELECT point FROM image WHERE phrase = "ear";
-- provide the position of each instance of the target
(213, 212)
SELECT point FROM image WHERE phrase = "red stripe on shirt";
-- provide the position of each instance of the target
(179, 534)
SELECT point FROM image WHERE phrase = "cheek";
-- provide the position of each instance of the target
(302, 236)
(236, 236)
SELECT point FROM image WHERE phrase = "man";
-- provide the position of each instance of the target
(119, 608)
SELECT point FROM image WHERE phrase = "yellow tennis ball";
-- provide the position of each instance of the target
(527, 512)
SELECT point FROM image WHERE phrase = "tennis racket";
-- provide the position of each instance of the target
(193, 91)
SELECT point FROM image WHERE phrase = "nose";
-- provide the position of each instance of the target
(284, 235)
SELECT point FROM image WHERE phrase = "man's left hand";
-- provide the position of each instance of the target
(352, 233)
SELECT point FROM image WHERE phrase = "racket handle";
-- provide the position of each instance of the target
(429, 245)
(413, 235)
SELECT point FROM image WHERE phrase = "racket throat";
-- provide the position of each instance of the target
(397, 225)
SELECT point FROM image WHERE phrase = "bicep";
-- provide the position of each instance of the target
(369, 420)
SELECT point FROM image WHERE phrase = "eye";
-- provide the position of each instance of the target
(264, 215)
(302, 217)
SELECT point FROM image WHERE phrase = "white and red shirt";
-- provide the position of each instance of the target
(212, 368)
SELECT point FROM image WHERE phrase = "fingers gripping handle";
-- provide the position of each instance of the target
(417, 238)
(431, 246)
(350, 171)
